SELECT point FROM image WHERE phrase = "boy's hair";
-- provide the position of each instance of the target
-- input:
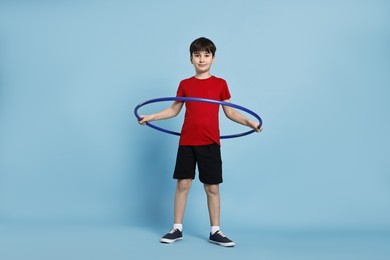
(202, 44)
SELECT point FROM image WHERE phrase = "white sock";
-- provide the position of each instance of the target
(214, 229)
(178, 226)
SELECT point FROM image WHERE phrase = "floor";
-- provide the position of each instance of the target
(30, 242)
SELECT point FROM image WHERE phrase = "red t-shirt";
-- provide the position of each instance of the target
(201, 121)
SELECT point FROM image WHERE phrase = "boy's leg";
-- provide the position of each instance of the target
(184, 174)
(182, 188)
(214, 203)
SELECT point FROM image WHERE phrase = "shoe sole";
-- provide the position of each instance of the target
(169, 241)
(230, 244)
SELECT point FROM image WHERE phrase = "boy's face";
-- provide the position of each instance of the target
(202, 61)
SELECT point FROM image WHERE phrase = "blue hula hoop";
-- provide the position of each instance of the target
(197, 100)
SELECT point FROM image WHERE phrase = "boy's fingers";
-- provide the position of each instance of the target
(141, 121)
(141, 118)
(258, 128)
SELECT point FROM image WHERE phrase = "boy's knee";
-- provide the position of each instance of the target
(212, 189)
(184, 184)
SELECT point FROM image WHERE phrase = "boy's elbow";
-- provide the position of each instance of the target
(175, 112)
(230, 114)
(231, 117)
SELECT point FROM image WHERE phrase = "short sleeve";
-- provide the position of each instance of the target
(225, 93)
(180, 91)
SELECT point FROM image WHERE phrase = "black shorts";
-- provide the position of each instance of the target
(208, 158)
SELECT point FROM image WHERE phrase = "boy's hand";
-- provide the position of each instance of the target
(144, 119)
(255, 126)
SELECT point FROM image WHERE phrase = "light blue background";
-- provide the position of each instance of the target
(317, 72)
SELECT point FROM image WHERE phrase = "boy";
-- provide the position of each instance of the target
(199, 140)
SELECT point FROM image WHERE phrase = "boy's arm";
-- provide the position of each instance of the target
(235, 116)
(171, 111)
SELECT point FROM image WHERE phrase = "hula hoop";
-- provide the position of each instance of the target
(197, 100)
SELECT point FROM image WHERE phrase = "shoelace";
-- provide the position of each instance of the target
(173, 230)
(219, 232)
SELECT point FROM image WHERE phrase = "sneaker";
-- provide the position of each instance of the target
(220, 239)
(172, 236)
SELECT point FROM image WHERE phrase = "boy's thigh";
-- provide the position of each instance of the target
(209, 163)
(185, 163)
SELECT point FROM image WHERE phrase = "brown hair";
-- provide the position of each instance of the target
(203, 44)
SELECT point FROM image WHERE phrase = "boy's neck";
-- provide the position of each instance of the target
(205, 75)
